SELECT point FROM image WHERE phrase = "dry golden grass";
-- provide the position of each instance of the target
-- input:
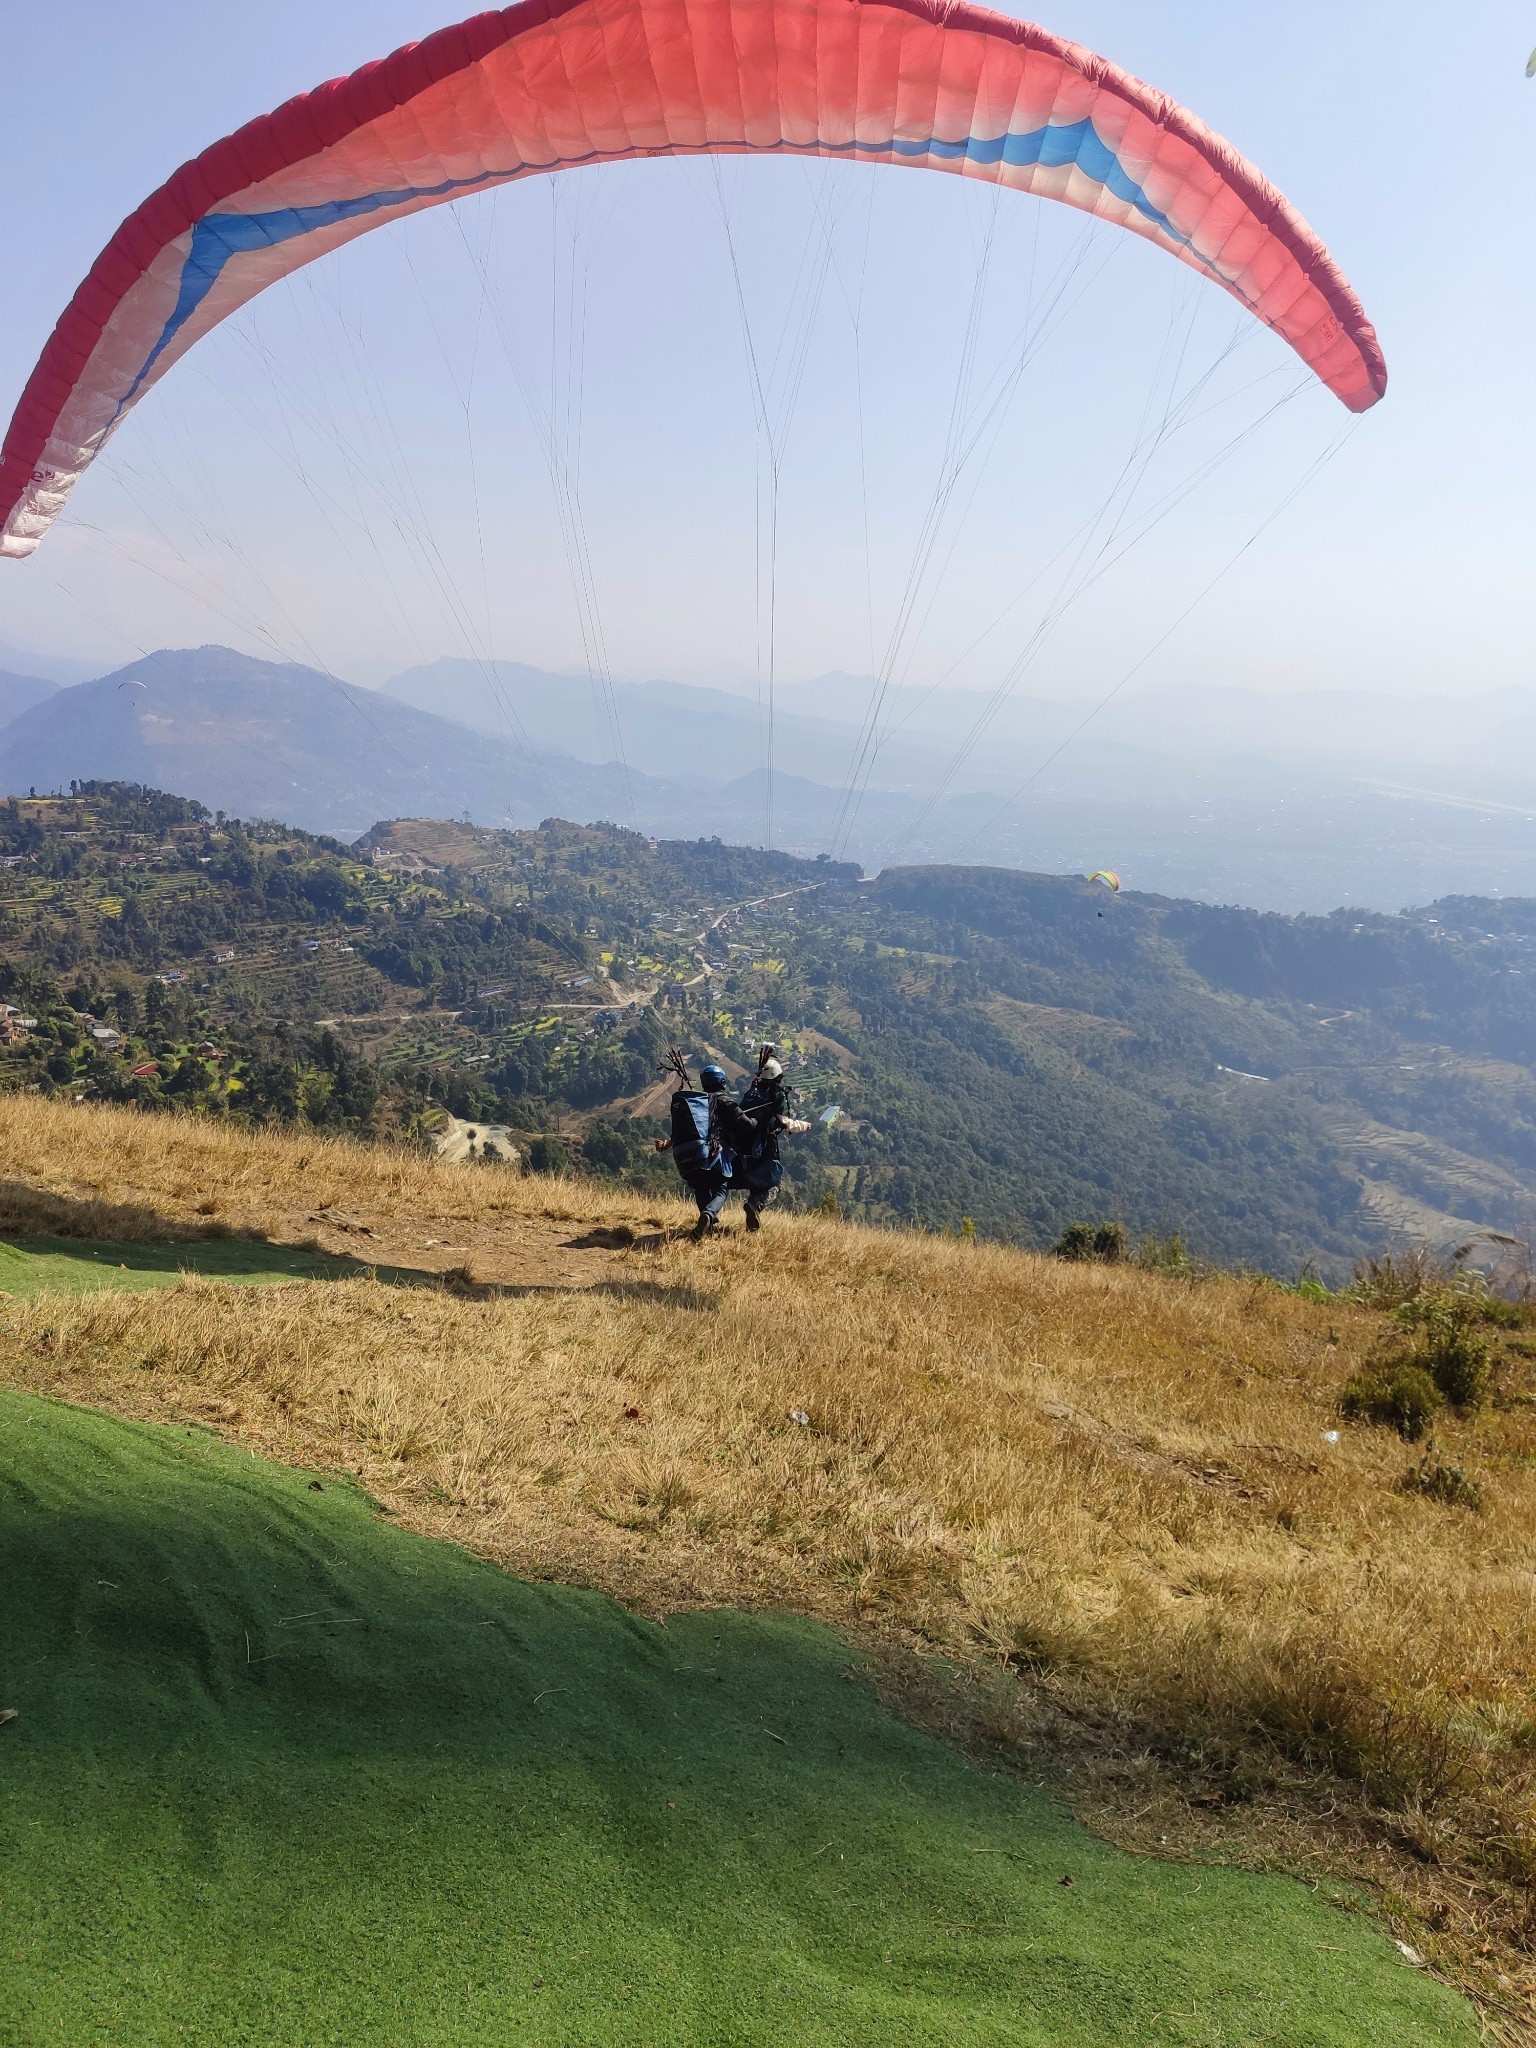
(1111, 1490)
(175, 1175)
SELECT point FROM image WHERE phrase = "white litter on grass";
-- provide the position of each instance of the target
(798, 1415)
(1410, 1955)
(1330, 1436)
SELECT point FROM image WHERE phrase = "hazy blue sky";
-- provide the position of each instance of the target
(354, 473)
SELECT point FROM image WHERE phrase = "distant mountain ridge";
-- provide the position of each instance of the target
(817, 726)
(1351, 731)
(267, 739)
(59, 670)
(1472, 743)
(1146, 791)
(20, 693)
(683, 731)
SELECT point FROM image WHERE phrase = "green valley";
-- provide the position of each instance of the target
(979, 1049)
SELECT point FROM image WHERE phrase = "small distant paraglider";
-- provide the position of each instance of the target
(129, 685)
(1530, 69)
(1109, 878)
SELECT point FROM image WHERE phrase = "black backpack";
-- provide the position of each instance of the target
(694, 1144)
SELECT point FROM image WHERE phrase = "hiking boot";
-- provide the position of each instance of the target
(705, 1227)
(754, 1216)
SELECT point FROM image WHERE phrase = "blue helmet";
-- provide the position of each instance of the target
(712, 1079)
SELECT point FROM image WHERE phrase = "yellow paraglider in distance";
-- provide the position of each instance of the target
(1108, 877)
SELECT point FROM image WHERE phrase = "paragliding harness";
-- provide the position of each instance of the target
(696, 1150)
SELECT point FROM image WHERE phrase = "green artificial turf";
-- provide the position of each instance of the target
(63, 1265)
(286, 1774)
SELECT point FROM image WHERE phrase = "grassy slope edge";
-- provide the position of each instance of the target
(1108, 1496)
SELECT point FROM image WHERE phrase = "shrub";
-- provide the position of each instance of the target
(1397, 1278)
(1448, 1484)
(1410, 1285)
(1450, 1348)
(1395, 1391)
(547, 1155)
(1507, 1315)
(1394, 1279)
(1101, 1243)
(1165, 1254)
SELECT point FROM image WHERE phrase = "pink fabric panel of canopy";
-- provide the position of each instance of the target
(553, 84)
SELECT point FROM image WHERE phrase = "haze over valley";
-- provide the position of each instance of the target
(1302, 802)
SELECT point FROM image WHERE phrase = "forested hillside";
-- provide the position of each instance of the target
(1020, 1051)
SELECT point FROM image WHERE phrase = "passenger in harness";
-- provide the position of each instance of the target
(758, 1167)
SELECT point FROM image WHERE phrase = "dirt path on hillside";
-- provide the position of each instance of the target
(547, 1253)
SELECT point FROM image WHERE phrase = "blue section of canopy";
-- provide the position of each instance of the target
(1077, 142)
(219, 237)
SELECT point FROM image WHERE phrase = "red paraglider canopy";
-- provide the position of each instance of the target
(553, 84)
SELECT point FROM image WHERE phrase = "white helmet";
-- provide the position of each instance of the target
(770, 1070)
